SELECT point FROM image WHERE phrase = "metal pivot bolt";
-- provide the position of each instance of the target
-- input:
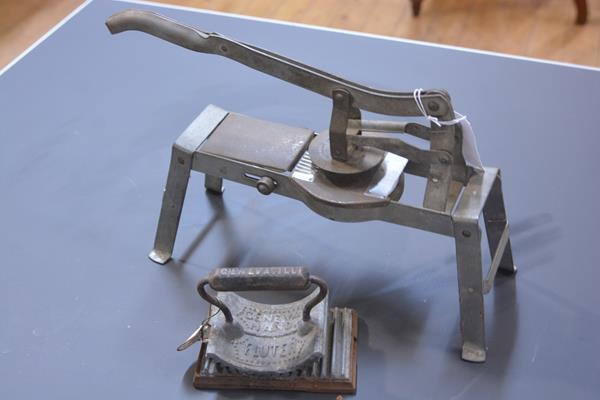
(266, 185)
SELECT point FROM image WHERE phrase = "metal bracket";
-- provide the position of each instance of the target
(339, 124)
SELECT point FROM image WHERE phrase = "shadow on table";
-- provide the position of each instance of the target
(219, 212)
(233, 249)
(396, 312)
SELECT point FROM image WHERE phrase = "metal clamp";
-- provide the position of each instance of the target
(263, 278)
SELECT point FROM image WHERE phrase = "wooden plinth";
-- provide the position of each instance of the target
(318, 385)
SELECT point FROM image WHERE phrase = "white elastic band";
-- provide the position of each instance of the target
(469, 147)
(435, 120)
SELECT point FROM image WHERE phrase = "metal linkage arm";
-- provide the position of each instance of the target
(437, 102)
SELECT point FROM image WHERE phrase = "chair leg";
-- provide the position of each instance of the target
(416, 7)
(582, 11)
(494, 215)
(172, 204)
(470, 289)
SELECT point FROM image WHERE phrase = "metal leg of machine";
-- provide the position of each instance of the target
(470, 289)
(182, 158)
(213, 184)
(172, 204)
(483, 195)
(497, 227)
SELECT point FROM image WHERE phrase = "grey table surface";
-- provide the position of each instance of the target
(87, 121)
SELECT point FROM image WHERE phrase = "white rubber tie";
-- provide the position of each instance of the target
(435, 120)
(469, 146)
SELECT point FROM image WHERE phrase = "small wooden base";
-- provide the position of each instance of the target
(321, 385)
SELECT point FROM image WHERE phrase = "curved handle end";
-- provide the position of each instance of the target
(121, 21)
(160, 26)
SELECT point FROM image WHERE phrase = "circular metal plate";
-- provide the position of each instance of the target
(360, 160)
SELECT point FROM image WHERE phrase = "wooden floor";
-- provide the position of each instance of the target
(533, 28)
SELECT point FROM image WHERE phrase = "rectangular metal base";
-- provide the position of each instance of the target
(340, 366)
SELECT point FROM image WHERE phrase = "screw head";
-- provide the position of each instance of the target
(265, 185)
(433, 106)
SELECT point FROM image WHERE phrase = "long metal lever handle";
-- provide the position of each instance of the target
(267, 278)
(161, 27)
(437, 102)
